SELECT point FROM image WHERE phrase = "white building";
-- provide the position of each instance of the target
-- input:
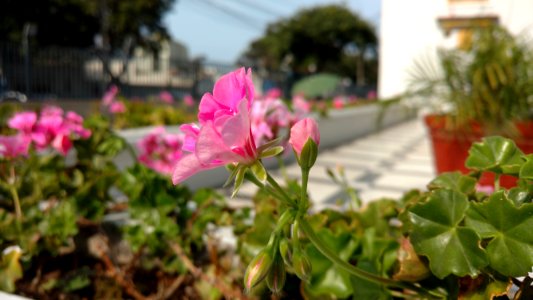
(415, 29)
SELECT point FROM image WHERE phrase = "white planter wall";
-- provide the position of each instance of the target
(340, 126)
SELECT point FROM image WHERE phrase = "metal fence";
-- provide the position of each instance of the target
(67, 73)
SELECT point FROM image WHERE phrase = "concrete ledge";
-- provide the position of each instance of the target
(340, 126)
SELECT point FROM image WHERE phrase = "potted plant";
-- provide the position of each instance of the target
(483, 88)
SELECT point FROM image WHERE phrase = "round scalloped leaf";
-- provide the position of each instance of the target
(436, 233)
(454, 181)
(510, 251)
(495, 154)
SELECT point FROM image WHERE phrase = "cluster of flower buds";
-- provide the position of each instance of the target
(281, 254)
(52, 128)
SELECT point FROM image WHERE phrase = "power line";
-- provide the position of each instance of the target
(209, 12)
(260, 8)
(236, 15)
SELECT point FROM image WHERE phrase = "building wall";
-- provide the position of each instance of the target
(409, 31)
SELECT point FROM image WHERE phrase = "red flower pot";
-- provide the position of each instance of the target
(450, 147)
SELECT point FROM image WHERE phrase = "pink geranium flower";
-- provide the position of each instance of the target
(14, 146)
(338, 102)
(302, 131)
(74, 123)
(300, 106)
(224, 133)
(188, 100)
(110, 95)
(23, 121)
(166, 97)
(117, 107)
(273, 93)
(371, 95)
(269, 117)
(160, 150)
(50, 129)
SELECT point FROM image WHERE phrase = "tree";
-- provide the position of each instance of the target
(321, 39)
(77, 22)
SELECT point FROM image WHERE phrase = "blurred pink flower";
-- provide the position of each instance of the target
(188, 100)
(110, 95)
(273, 93)
(224, 135)
(300, 106)
(338, 102)
(166, 97)
(52, 110)
(50, 129)
(487, 189)
(74, 123)
(160, 150)
(371, 95)
(302, 131)
(268, 117)
(23, 121)
(117, 107)
(14, 146)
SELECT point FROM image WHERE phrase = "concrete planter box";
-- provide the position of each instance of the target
(340, 126)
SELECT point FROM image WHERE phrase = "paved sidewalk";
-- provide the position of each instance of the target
(383, 164)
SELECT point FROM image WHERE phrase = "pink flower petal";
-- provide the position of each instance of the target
(234, 86)
(236, 129)
(23, 121)
(301, 132)
(211, 148)
(187, 166)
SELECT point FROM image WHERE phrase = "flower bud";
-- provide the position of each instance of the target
(258, 268)
(305, 139)
(301, 265)
(276, 277)
(285, 251)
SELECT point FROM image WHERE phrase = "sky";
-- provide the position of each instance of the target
(221, 30)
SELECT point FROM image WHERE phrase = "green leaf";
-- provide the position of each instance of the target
(450, 248)
(271, 152)
(364, 289)
(526, 172)
(326, 278)
(495, 154)
(454, 181)
(510, 249)
(77, 282)
(520, 196)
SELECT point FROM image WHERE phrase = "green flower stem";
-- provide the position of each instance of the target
(284, 195)
(269, 189)
(13, 189)
(327, 252)
(302, 207)
(496, 182)
(16, 202)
